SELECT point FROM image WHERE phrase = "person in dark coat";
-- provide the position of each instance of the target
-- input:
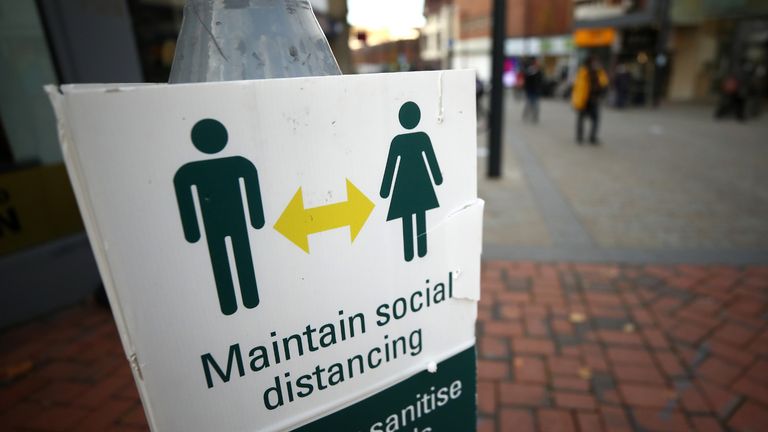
(732, 97)
(622, 83)
(532, 86)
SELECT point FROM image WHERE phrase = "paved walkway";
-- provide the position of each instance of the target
(562, 347)
(668, 185)
(68, 373)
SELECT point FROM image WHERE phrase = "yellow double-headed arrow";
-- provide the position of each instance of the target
(297, 223)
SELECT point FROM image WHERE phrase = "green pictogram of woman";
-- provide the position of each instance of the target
(217, 185)
(413, 192)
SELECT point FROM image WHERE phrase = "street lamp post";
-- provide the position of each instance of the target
(497, 89)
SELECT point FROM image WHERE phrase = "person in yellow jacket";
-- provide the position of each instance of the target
(590, 84)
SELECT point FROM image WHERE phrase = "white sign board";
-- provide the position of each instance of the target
(285, 254)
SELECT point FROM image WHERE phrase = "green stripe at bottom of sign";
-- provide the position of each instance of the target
(425, 402)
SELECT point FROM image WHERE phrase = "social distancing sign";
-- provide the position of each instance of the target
(294, 254)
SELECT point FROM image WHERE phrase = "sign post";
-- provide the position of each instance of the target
(293, 254)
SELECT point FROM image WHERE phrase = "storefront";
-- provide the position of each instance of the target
(710, 40)
(628, 37)
(45, 259)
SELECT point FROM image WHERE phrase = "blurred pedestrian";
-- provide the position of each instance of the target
(532, 86)
(517, 80)
(756, 86)
(732, 97)
(588, 88)
(622, 82)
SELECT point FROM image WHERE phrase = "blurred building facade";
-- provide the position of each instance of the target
(535, 28)
(676, 50)
(437, 35)
(389, 49)
(630, 33)
(429, 47)
(457, 35)
(391, 56)
(711, 39)
(45, 259)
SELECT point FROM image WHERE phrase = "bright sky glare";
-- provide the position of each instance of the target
(392, 14)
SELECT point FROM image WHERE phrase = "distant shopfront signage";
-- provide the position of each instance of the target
(538, 46)
(594, 37)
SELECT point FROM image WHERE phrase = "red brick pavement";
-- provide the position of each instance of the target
(570, 347)
(67, 373)
(562, 347)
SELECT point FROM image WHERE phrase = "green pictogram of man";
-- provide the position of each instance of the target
(217, 185)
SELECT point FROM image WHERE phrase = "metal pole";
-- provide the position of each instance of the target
(497, 89)
(250, 39)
